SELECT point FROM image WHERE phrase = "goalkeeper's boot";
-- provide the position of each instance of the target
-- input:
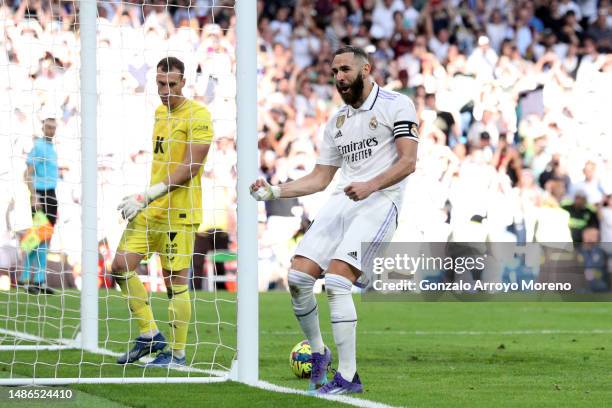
(166, 359)
(320, 365)
(339, 386)
(142, 347)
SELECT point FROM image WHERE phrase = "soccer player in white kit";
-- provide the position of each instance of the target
(373, 139)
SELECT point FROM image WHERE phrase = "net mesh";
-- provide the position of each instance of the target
(39, 67)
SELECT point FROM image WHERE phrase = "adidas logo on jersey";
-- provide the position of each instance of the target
(339, 134)
(353, 254)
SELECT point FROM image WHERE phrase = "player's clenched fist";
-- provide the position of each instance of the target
(261, 190)
(359, 190)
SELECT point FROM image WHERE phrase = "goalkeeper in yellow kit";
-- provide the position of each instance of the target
(165, 217)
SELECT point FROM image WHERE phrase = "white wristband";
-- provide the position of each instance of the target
(155, 191)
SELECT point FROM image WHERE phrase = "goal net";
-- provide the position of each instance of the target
(42, 169)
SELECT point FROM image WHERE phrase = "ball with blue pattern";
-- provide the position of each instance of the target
(300, 359)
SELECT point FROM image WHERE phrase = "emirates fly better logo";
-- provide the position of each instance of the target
(356, 151)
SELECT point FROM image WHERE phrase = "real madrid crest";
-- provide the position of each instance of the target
(340, 121)
(414, 130)
(373, 123)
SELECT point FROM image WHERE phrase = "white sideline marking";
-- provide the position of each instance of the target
(459, 332)
(356, 402)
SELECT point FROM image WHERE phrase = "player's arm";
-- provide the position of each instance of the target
(403, 167)
(195, 155)
(406, 138)
(29, 177)
(317, 180)
(199, 137)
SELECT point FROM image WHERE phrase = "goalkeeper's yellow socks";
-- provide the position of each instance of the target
(179, 315)
(138, 300)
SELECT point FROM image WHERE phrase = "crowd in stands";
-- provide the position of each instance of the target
(511, 96)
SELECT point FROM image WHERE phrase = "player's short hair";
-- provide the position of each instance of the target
(357, 52)
(48, 119)
(167, 64)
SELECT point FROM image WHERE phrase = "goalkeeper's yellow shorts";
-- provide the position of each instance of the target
(173, 243)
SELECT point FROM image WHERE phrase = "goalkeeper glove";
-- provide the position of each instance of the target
(264, 191)
(133, 204)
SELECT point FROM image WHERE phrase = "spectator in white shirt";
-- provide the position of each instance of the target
(591, 186)
(281, 27)
(382, 18)
(438, 44)
(498, 30)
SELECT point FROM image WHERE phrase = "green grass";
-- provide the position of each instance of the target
(409, 354)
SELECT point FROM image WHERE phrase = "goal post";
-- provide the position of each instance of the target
(89, 168)
(246, 100)
(80, 321)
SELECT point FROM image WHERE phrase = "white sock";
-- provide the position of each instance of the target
(305, 307)
(344, 323)
(150, 334)
(178, 353)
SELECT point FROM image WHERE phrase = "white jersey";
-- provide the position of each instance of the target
(362, 141)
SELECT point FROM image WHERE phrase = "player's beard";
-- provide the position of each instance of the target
(356, 89)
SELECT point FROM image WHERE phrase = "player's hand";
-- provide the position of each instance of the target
(359, 190)
(131, 205)
(261, 190)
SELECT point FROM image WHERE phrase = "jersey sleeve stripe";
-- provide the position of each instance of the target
(404, 122)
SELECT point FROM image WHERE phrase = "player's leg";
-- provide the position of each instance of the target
(311, 258)
(49, 207)
(372, 221)
(302, 277)
(176, 252)
(28, 262)
(339, 279)
(132, 247)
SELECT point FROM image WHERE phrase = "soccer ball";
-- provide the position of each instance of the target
(300, 359)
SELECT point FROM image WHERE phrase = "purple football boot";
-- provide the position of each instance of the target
(339, 386)
(318, 373)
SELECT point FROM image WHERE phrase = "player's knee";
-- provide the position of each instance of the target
(300, 283)
(337, 285)
(305, 265)
(119, 269)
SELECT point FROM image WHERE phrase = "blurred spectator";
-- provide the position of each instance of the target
(582, 215)
(591, 186)
(605, 220)
(511, 96)
(595, 261)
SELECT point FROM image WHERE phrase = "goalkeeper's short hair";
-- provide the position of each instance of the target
(167, 64)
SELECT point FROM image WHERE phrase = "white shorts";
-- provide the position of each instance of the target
(342, 225)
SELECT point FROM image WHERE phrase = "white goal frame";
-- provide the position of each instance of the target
(245, 368)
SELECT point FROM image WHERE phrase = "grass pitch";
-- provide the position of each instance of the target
(409, 354)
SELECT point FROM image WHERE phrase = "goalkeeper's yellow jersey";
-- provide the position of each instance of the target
(173, 131)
